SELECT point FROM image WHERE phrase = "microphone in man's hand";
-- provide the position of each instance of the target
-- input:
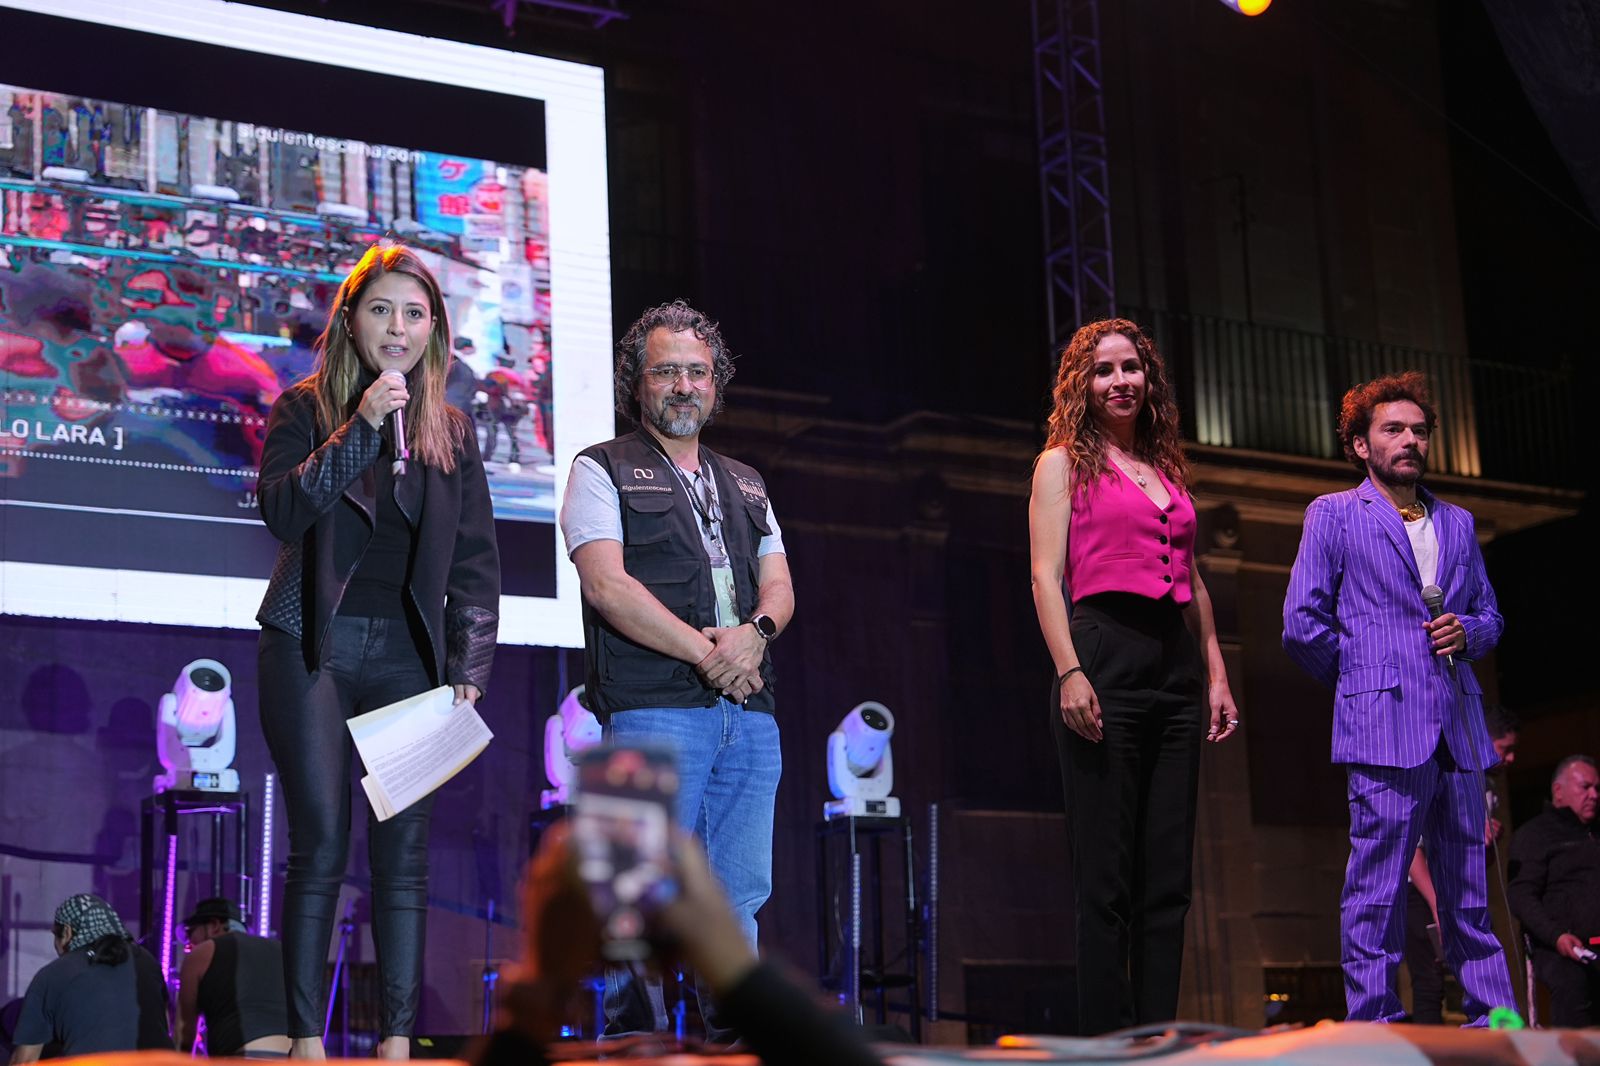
(398, 429)
(1433, 599)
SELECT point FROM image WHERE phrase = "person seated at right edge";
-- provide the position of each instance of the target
(1555, 892)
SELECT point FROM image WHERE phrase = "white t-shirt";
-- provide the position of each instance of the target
(1425, 546)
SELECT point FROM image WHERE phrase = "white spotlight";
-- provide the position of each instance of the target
(195, 731)
(569, 731)
(861, 764)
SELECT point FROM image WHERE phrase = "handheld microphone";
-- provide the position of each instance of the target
(398, 426)
(1433, 599)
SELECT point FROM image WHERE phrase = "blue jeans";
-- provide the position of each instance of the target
(729, 762)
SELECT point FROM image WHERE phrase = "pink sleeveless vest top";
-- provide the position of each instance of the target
(1120, 541)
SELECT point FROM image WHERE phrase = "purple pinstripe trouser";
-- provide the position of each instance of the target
(1390, 809)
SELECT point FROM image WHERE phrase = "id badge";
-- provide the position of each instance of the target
(727, 595)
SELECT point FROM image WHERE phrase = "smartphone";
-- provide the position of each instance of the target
(622, 829)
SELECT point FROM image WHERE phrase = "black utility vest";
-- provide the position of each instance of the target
(663, 551)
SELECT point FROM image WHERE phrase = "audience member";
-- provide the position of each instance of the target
(235, 982)
(103, 993)
(780, 1023)
(1555, 892)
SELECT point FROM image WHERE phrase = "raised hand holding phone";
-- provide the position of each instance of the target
(622, 833)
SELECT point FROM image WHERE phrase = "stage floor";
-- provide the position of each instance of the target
(1329, 1044)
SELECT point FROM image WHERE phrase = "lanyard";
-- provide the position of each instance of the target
(708, 509)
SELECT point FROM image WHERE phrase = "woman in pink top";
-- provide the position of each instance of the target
(1112, 526)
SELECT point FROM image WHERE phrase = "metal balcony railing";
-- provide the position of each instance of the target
(1267, 388)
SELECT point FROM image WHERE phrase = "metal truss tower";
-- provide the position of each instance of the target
(1074, 178)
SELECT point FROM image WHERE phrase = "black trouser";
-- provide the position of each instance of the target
(366, 663)
(1427, 969)
(1574, 989)
(1131, 806)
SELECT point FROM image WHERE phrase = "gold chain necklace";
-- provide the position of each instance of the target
(1134, 473)
(1412, 512)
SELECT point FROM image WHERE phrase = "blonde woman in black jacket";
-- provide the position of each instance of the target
(387, 584)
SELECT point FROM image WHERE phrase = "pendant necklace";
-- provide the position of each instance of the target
(1138, 478)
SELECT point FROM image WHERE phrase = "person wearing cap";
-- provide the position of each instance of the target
(235, 982)
(103, 992)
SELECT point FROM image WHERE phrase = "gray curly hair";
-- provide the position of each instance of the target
(674, 317)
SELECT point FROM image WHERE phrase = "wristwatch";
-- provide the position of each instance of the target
(765, 626)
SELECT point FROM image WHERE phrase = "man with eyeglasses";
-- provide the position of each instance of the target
(685, 584)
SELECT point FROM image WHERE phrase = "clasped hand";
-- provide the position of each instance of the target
(734, 665)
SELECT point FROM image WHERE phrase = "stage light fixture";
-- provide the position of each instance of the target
(196, 732)
(861, 764)
(569, 731)
(1248, 7)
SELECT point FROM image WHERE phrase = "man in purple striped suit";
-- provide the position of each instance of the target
(1408, 711)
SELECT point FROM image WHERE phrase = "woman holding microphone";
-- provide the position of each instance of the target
(1139, 673)
(387, 585)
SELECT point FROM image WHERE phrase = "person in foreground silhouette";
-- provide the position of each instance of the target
(782, 1024)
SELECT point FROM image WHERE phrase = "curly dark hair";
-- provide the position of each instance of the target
(1355, 410)
(674, 317)
(1158, 439)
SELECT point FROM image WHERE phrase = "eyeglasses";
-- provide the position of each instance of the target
(667, 373)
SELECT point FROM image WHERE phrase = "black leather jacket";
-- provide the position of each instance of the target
(318, 497)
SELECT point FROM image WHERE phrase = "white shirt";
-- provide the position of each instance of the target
(1425, 546)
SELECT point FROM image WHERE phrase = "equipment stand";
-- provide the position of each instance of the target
(843, 936)
(159, 855)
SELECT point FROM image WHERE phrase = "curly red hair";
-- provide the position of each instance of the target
(1355, 410)
(1158, 439)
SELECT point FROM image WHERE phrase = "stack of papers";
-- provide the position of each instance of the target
(412, 747)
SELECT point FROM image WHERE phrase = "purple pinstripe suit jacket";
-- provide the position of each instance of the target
(1353, 618)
